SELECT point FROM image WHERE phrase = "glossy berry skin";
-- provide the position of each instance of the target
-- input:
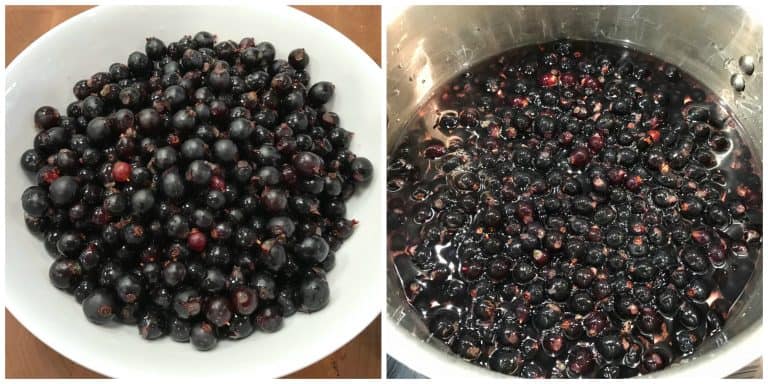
(31, 160)
(161, 297)
(203, 336)
(196, 241)
(35, 201)
(265, 285)
(308, 163)
(240, 327)
(197, 189)
(245, 300)
(65, 273)
(298, 59)
(154, 48)
(505, 361)
(274, 200)
(179, 330)
(174, 273)
(268, 319)
(320, 93)
(199, 172)
(219, 311)
(99, 307)
(286, 299)
(362, 170)
(121, 171)
(214, 281)
(128, 288)
(225, 151)
(314, 294)
(64, 190)
(83, 290)
(187, 303)
(152, 326)
(567, 203)
(581, 362)
(46, 117)
(313, 249)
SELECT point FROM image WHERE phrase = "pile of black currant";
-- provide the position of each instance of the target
(198, 191)
(577, 210)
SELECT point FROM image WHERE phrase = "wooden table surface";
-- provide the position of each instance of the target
(27, 357)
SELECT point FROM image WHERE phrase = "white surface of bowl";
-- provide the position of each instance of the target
(44, 75)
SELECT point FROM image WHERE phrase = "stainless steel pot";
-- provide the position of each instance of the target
(428, 45)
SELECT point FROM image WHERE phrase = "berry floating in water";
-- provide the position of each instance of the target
(571, 212)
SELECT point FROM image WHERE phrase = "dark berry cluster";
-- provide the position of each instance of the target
(198, 190)
(577, 210)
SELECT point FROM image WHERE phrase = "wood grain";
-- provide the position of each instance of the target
(24, 24)
(27, 357)
(361, 24)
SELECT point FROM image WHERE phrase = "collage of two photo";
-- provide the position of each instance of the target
(383, 192)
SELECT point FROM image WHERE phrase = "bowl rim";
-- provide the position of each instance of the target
(366, 313)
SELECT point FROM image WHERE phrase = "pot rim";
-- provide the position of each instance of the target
(429, 361)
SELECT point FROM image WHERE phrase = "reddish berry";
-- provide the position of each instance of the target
(217, 183)
(49, 175)
(590, 82)
(633, 183)
(655, 135)
(196, 241)
(121, 171)
(596, 142)
(566, 138)
(434, 151)
(616, 175)
(520, 102)
(549, 79)
(579, 157)
(568, 79)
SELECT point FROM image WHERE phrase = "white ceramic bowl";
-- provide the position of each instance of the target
(44, 75)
